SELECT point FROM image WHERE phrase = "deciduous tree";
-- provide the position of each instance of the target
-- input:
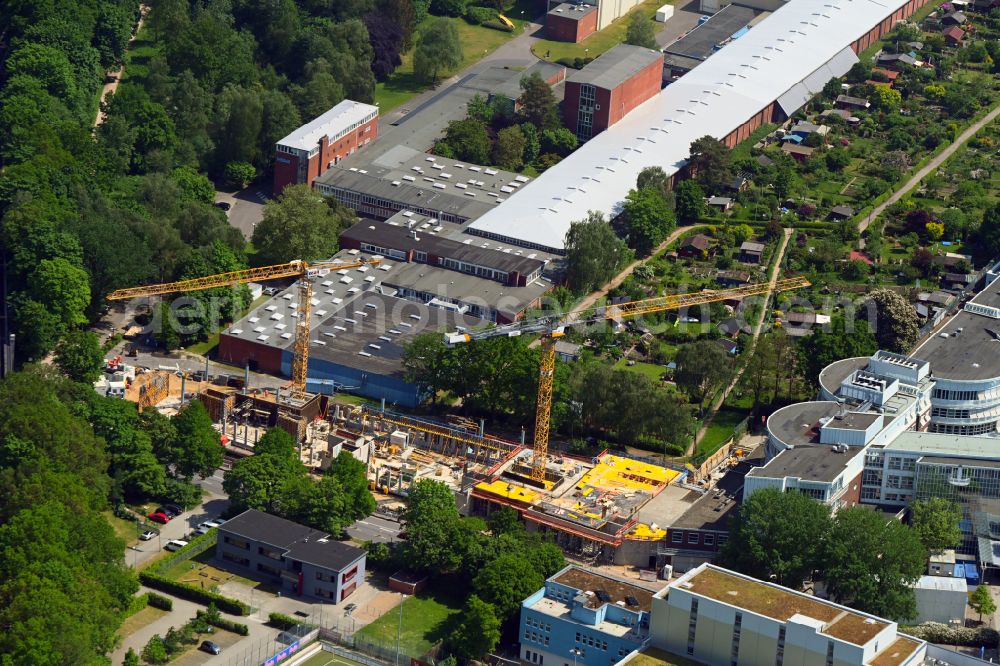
(594, 253)
(640, 31)
(647, 218)
(538, 104)
(834, 342)
(469, 140)
(897, 328)
(300, 224)
(935, 521)
(701, 367)
(197, 447)
(478, 632)
(777, 536)
(508, 153)
(981, 601)
(871, 563)
(438, 49)
(80, 356)
(506, 582)
(710, 163)
(689, 201)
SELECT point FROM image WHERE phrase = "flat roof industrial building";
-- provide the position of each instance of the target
(769, 73)
(693, 48)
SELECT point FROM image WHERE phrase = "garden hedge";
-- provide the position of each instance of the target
(192, 593)
(281, 621)
(223, 623)
(159, 601)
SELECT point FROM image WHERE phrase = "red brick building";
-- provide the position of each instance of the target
(571, 22)
(316, 146)
(603, 92)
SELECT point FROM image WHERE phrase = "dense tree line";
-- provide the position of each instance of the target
(275, 481)
(64, 586)
(498, 378)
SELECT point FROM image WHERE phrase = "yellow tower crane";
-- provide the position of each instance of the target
(297, 269)
(551, 328)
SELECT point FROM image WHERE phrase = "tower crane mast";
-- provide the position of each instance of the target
(551, 328)
(305, 272)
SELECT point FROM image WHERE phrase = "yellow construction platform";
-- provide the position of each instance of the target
(643, 532)
(618, 473)
(509, 491)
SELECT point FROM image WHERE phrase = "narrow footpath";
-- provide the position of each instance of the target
(758, 327)
(930, 167)
(112, 85)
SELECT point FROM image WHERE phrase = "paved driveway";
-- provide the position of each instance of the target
(247, 207)
(685, 17)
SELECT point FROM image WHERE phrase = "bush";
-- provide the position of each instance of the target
(223, 623)
(159, 601)
(935, 632)
(480, 15)
(281, 621)
(137, 603)
(191, 593)
(497, 25)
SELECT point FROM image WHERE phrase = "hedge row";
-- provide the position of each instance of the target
(196, 546)
(281, 621)
(159, 601)
(935, 632)
(192, 593)
(137, 603)
(480, 15)
(223, 623)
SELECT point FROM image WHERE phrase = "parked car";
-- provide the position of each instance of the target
(168, 511)
(175, 507)
(159, 517)
(210, 647)
(175, 544)
(224, 205)
(218, 522)
(147, 535)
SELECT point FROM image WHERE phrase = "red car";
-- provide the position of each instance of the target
(159, 517)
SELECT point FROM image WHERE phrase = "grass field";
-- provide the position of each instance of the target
(425, 619)
(403, 84)
(651, 370)
(136, 622)
(597, 43)
(720, 430)
(324, 658)
(124, 529)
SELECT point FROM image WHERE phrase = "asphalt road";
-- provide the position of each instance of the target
(376, 529)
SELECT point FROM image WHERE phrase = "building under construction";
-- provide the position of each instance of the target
(604, 509)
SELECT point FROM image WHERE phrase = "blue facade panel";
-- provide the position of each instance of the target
(325, 376)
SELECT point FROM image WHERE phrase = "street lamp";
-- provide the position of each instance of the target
(576, 652)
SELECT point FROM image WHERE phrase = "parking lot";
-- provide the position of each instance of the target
(246, 207)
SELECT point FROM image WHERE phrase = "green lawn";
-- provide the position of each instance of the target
(425, 618)
(124, 529)
(720, 430)
(597, 43)
(403, 84)
(651, 370)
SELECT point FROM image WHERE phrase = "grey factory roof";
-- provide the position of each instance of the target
(701, 42)
(711, 511)
(614, 67)
(854, 420)
(470, 289)
(511, 86)
(351, 311)
(573, 11)
(799, 423)
(808, 462)
(416, 232)
(413, 178)
(972, 354)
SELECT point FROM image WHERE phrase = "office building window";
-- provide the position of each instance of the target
(829, 653)
(692, 626)
(676, 537)
(779, 655)
(735, 650)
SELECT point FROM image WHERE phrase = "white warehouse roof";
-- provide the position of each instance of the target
(330, 124)
(792, 53)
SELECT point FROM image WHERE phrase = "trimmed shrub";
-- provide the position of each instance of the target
(479, 15)
(497, 25)
(281, 621)
(191, 593)
(137, 603)
(223, 623)
(159, 601)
